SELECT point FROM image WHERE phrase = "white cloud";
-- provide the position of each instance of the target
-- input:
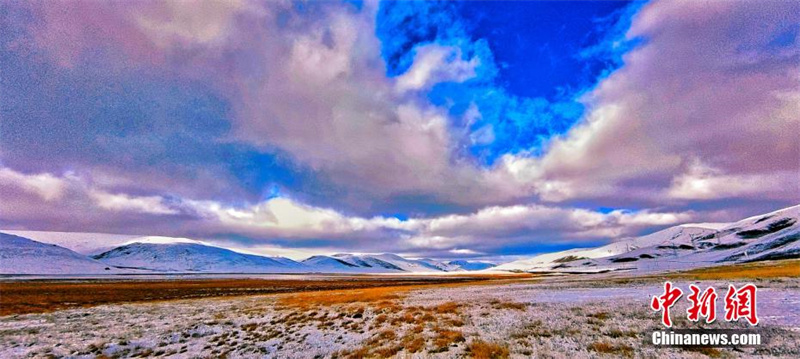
(191, 22)
(693, 91)
(45, 185)
(436, 64)
(286, 219)
(702, 182)
(124, 202)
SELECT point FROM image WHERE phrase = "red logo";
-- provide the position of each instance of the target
(666, 301)
(702, 305)
(739, 303)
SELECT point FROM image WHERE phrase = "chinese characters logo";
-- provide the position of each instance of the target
(739, 303)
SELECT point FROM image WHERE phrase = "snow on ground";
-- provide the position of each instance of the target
(527, 319)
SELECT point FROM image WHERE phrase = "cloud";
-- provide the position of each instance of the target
(285, 223)
(701, 182)
(47, 186)
(309, 85)
(700, 87)
(188, 21)
(436, 64)
(166, 118)
(123, 202)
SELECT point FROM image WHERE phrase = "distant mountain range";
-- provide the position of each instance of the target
(774, 235)
(19, 255)
(389, 263)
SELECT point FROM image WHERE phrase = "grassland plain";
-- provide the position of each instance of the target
(564, 317)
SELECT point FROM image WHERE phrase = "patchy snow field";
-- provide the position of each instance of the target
(556, 318)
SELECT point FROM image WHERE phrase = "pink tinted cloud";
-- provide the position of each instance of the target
(706, 88)
(69, 30)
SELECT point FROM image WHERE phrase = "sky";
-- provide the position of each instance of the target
(490, 130)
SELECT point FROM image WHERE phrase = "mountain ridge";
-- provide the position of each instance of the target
(774, 235)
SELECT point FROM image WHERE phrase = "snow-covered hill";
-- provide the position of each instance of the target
(468, 265)
(153, 254)
(192, 256)
(388, 263)
(774, 235)
(370, 263)
(19, 255)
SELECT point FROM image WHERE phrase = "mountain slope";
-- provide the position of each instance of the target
(387, 263)
(468, 265)
(19, 255)
(190, 256)
(774, 235)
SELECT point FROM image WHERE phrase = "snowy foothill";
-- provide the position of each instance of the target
(770, 236)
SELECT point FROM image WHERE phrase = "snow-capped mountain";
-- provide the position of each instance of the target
(774, 235)
(84, 243)
(19, 255)
(370, 263)
(463, 265)
(153, 254)
(388, 263)
(193, 256)
(330, 264)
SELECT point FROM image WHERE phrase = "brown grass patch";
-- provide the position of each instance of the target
(381, 318)
(609, 348)
(444, 338)
(40, 296)
(599, 315)
(413, 343)
(381, 338)
(757, 270)
(707, 351)
(328, 298)
(480, 349)
(447, 308)
(509, 305)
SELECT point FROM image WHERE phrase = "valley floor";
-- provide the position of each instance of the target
(518, 318)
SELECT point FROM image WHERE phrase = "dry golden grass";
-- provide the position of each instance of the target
(383, 337)
(609, 348)
(358, 353)
(480, 349)
(413, 343)
(380, 345)
(388, 351)
(445, 338)
(381, 318)
(335, 297)
(446, 308)
(453, 322)
(35, 296)
(707, 351)
(383, 297)
(757, 270)
(508, 305)
(599, 315)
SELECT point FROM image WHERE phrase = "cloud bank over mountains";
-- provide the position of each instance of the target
(280, 124)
